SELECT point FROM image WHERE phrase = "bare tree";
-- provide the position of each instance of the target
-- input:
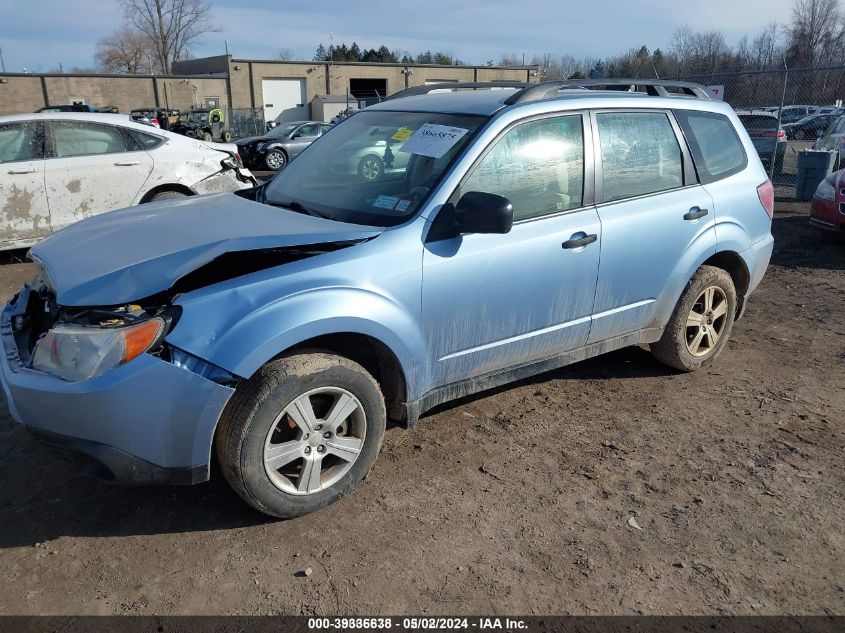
(816, 32)
(172, 26)
(765, 47)
(126, 50)
(284, 54)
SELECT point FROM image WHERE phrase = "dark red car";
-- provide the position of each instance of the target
(827, 211)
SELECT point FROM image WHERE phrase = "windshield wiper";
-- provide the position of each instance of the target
(293, 205)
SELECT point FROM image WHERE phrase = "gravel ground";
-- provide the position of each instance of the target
(518, 500)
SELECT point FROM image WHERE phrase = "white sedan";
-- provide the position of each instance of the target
(57, 168)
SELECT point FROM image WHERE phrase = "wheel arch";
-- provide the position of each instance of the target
(173, 186)
(374, 356)
(732, 263)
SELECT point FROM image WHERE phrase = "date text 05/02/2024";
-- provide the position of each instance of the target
(418, 623)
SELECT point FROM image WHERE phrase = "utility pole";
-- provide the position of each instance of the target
(2, 63)
(226, 42)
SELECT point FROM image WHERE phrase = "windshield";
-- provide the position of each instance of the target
(375, 168)
(282, 130)
(826, 139)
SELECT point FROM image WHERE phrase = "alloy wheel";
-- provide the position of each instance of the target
(275, 160)
(315, 440)
(370, 168)
(706, 321)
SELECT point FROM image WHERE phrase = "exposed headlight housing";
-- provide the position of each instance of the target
(261, 147)
(77, 353)
(826, 191)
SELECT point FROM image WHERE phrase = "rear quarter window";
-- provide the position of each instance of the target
(714, 144)
(144, 140)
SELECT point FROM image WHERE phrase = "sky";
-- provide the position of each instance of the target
(38, 35)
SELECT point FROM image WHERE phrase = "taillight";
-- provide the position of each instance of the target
(154, 122)
(238, 160)
(781, 135)
(766, 192)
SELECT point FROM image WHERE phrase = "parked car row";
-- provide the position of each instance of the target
(58, 168)
(768, 137)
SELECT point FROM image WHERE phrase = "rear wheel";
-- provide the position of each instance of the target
(798, 135)
(301, 433)
(206, 136)
(701, 323)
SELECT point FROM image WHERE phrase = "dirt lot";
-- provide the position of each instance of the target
(515, 501)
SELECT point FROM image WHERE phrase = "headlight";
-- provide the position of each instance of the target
(826, 191)
(77, 353)
(261, 147)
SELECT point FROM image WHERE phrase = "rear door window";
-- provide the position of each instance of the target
(639, 154)
(76, 138)
(713, 141)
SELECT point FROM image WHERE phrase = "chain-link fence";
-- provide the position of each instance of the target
(243, 122)
(784, 111)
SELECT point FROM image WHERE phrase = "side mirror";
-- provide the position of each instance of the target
(479, 212)
(293, 137)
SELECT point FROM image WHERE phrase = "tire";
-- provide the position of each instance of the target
(275, 160)
(258, 417)
(164, 195)
(370, 168)
(798, 135)
(677, 347)
(206, 136)
(226, 136)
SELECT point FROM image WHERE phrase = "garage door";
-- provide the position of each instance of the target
(284, 100)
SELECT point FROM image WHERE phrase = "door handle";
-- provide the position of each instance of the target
(581, 241)
(22, 171)
(695, 213)
(126, 164)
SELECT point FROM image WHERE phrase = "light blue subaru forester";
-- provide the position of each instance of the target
(504, 233)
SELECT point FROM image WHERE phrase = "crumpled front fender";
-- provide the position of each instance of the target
(231, 331)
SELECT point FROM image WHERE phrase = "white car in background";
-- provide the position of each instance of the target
(58, 168)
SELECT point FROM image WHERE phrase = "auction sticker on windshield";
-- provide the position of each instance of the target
(433, 140)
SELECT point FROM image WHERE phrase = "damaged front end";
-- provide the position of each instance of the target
(102, 384)
(232, 168)
(77, 344)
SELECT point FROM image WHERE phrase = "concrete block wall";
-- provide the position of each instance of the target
(236, 83)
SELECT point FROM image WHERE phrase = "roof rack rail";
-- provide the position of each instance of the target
(549, 89)
(653, 87)
(455, 85)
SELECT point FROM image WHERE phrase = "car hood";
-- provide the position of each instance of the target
(249, 140)
(129, 254)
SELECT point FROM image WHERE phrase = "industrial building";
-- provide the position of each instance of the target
(293, 89)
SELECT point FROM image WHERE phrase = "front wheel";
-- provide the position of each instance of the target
(275, 160)
(206, 136)
(301, 433)
(701, 323)
(798, 135)
(370, 168)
